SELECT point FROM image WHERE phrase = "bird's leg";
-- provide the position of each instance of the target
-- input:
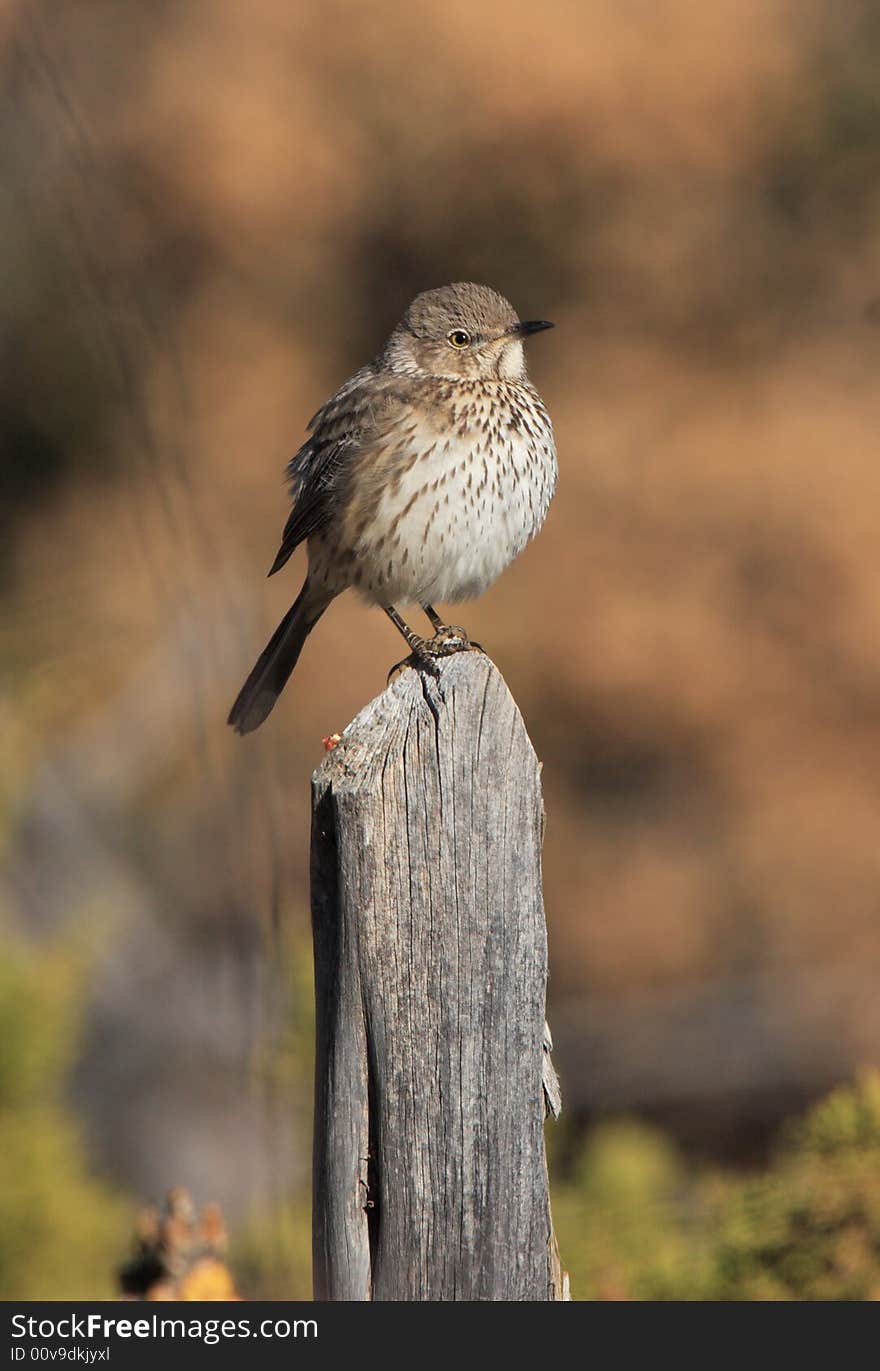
(455, 638)
(419, 654)
(414, 642)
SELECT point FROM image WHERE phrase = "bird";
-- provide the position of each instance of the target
(422, 478)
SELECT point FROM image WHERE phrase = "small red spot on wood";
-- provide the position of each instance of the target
(331, 740)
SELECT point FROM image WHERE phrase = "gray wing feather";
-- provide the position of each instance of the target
(314, 471)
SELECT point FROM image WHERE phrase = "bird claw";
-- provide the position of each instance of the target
(447, 640)
(418, 661)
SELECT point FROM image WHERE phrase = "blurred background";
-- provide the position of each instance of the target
(209, 216)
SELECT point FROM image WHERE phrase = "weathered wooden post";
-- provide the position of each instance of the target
(430, 1179)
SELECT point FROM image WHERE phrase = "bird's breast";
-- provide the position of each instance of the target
(450, 498)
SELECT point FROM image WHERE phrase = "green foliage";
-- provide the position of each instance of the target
(60, 1230)
(849, 1119)
(622, 1218)
(633, 1224)
(810, 1228)
(272, 1257)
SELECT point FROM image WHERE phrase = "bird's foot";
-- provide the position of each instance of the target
(447, 640)
(418, 660)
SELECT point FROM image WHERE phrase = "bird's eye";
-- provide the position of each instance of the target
(458, 338)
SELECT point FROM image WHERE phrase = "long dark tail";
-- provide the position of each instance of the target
(257, 697)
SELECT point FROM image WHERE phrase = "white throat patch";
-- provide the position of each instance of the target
(511, 363)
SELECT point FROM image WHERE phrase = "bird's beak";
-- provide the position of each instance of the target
(527, 326)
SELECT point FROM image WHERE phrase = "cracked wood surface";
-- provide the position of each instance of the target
(430, 1177)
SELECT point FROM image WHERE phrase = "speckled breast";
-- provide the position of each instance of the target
(453, 496)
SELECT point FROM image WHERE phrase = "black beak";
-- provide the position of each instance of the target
(527, 326)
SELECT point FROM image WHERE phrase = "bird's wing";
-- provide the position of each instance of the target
(340, 427)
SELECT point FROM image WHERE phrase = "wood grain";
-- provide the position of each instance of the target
(430, 1178)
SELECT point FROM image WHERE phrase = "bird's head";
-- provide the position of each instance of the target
(461, 332)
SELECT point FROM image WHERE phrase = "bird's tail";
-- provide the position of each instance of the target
(257, 697)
